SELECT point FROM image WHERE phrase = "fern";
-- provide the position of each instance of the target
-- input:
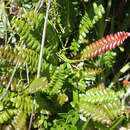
(96, 112)
(28, 56)
(78, 82)
(58, 79)
(25, 35)
(109, 58)
(114, 109)
(6, 115)
(7, 52)
(19, 121)
(33, 21)
(31, 58)
(99, 96)
(36, 85)
(86, 24)
(101, 104)
(23, 103)
(103, 45)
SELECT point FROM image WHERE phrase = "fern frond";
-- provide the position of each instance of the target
(36, 21)
(23, 103)
(31, 58)
(109, 58)
(96, 112)
(36, 85)
(19, 122)
(58, 79)
(33, 19)
(28, 56)
(86, 23)
(101, 46)
(114, 109)
(102, 105)
(6, 114)
(26, 37)
(92, 71)
(16, 84)
(99, 11)
(99, 96)
(7, 52)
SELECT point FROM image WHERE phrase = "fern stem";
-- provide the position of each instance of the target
(39, 6)
(40, 59)
(43, 39)
(27, 73)
(11, 78)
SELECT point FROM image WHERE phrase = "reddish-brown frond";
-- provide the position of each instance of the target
(104, 44)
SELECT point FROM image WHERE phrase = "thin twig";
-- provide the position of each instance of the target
(125, 97)
(11, 78)
(27, 73)
(42, 2)
(122, 70)
(43, 39)
(39, 6)
(40, 59)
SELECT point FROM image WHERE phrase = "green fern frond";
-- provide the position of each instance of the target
(99, 96)
(36, 85)
(102, 105)
(36, 21)
(27, 56)
(96, 112)
(109, 58)
(91, 72)
(114, 109)
(99, 11)
(33, 19)
(26, 37)
(19, 122)
(6, 115)
(58, 79)
(86, 23)
(31, 58)
(23, 103)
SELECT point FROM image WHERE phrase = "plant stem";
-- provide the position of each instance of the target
(40, 59)
(11, 78)
(122, 70)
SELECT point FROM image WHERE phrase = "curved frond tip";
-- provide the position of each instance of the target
(104, 44)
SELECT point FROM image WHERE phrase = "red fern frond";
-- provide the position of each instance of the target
(104, 44)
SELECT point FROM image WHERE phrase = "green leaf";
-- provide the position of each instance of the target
(37, 84)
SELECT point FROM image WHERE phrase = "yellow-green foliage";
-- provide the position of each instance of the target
(102, 105)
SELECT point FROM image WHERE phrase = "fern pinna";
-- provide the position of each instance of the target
(102, 105)
(86, 24)
(101, 46)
